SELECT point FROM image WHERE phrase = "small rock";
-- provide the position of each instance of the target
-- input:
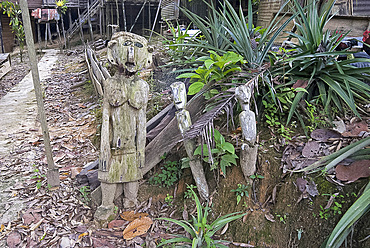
(14, 239)
(65, 242)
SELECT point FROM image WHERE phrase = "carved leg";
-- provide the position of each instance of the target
(130, 190)
(248, 158)
(105, 212)
(197, 170)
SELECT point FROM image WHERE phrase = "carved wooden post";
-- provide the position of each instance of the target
(184, 123)
(247, 118)
(123, 135)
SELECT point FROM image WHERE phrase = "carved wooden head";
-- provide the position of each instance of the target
(179, 94)
(129, 51)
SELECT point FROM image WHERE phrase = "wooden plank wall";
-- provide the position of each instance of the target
(32, 4)
(8, 36)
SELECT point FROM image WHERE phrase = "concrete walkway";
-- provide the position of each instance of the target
(18, 114)
(18, 108)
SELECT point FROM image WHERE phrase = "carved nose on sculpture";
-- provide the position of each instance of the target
(131, 55)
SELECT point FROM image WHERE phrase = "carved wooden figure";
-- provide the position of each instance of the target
(124, 123)
(247, 118)
(184, 123)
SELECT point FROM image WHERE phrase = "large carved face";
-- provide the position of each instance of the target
(129, 51)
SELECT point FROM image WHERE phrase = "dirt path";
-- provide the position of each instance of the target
(18, 118)
(18, 108)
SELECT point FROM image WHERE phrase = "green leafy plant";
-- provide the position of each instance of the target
(61, 6)
(178, 36)
(256, 176)
(334, 209)
(38, 176)
(214, 68)
(169, 174)
(240, 192)
(85, 190)
(274, 116)
(314, 118)
(353, 214)
(228, 30)
(188, 193)
(282, 218)
(324, 213)
(222, 156)
(169, 199)
(201, 233)
(330, 82)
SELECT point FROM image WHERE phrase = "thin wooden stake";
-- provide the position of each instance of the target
(39, 37)
(89, 22)
(137, 17)
(117, 9)
(80, 24)
(155, 19)
(53, 171)
(1, 38)
(124, 15)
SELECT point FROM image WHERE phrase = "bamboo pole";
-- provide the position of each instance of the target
(89, 22)
(46, 35)
(60, 38)
(124, 15)
(1, 38)
(155, 19)
(64, 31)
(117, 9)
(137, 17)
(107, 21)
(100, 22)
(80, 23)
(53, 171)
(39, 37)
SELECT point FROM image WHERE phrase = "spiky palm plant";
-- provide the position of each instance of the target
(314, 60)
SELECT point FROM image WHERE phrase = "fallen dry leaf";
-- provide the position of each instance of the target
(355, 129)
(311, 149)
(137, 228)
(2, 227)
(300, 84)
(324, 134)
(131, 215)
(353, 171)
(269, 217)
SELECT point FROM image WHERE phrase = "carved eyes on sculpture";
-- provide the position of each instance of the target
(129, 43)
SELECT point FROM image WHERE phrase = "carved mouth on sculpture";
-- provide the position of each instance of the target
(130, 66)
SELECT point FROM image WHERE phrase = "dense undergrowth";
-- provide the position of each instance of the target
(301, 87)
